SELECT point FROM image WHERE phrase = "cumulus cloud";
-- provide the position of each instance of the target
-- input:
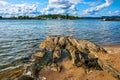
(115, 13)
(3, 3)
(62, 6)
(19, 9)
(95, 9)
(75, 1)
(23, 8)
(69, 6)
(91, 3)
(54, 7)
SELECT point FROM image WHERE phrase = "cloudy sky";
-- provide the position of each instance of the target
(10, 8)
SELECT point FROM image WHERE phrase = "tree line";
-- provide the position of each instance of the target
(42, 17)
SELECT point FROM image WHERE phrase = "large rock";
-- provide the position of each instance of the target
(75, 47)
(84, 46)
(81, 51)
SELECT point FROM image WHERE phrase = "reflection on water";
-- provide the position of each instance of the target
(20, 38)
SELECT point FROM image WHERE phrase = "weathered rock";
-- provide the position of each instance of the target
(81, 51)
(57, 53)
(55, 67)
(56, 40)
(92, 64)
(13, 72)
(39, 54)
(72, 52)
(25, 77)
(86, 46)
(74, 46)
(48, 44)
(62, 41)
(83, 46)
(73, 41)
(110, 69)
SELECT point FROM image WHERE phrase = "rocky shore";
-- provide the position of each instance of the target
(66, 58)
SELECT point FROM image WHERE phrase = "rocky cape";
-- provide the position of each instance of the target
(65, 58)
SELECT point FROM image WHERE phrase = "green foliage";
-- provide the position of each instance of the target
(56, 16)
(23, 17)
(42, 17)
(0, 17)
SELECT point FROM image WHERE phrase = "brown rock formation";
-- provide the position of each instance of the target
(81, 51)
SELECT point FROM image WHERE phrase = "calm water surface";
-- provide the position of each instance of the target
(20, 38)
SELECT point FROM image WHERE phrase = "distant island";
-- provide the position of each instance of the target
(104, 18)
(111, 18)
(61, 17)
(43, 17)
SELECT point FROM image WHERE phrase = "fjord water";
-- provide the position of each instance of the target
(20, 38)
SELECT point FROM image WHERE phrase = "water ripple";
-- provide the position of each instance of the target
(20, 38)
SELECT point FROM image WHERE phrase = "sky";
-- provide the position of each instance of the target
(10, 8)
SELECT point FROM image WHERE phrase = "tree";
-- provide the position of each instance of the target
(0, 17)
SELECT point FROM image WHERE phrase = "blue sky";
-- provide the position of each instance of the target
(93, 8)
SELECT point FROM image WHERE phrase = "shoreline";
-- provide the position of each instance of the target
(74, 73)
(112, 49)
(112, 45)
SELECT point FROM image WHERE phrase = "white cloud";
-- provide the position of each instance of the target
(54, 7)
(115, 13)
(91, 3)
(75, 1)
(95, 9)
(60, 11)
(19, 9)
(3, 3)
(62, 6)
(23, 8)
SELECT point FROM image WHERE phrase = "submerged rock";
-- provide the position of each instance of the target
(13, 72)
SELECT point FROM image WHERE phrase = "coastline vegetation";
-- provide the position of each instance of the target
(60, 17)
(43, 17)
